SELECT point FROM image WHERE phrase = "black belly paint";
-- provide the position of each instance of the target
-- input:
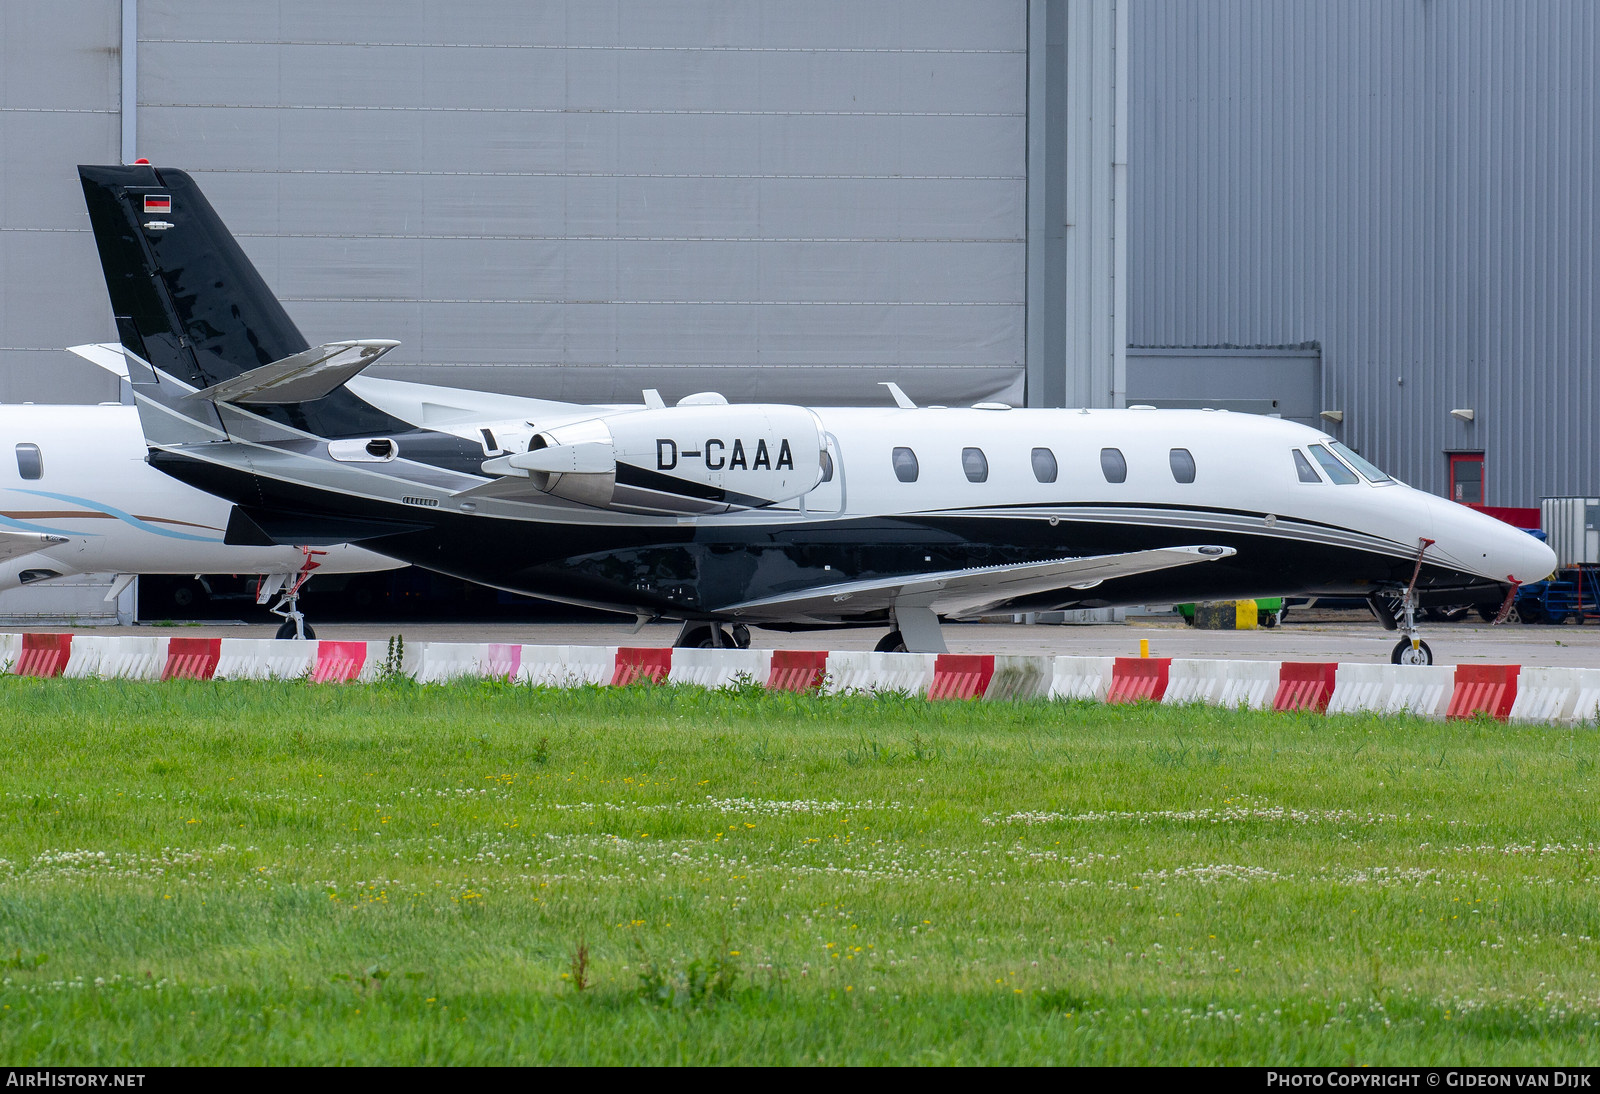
(691, 571)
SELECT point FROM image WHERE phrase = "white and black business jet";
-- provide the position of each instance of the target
(77, 497)
(724, 515)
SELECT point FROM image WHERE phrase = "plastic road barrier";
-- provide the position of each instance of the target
(192, 658)
(1305, 685)
(338, 662)
(1484, 689)
(961, 676)
(636, 663)
(1135, 679)
(43, 654)
(797, 670)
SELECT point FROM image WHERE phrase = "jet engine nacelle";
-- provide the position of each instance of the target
(683, 459)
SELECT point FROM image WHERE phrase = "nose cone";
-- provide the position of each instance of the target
(1487, 547)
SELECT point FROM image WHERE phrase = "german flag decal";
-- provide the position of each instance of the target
(158, 203)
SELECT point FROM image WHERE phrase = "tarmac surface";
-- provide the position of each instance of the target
(1314, 636)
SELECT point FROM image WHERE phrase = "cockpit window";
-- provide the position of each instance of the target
(974, 465)
(1303, 468)
(1338, 472)
(905, 465)
(1113, 465)
(1182, 465)
(30, 465)
(1364, 466)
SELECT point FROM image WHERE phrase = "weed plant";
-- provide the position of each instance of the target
(286, 874)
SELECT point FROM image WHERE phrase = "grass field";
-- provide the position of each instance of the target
(277, 873)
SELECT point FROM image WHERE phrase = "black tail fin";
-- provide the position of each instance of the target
(185, 296)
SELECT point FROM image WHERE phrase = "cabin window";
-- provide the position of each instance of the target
(905, 465)
(1338, 472)
(30, 465)
(1044, 465)
(1303, 468)
(1364, 466)
(827, 466)
(1113, 466)
(1182, 464)
(975, 465)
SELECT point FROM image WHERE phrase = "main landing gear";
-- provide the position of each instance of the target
(711, 636)
(288, 606)
(914, 629)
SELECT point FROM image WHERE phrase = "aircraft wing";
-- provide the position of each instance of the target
(13, 544)
(972, 592)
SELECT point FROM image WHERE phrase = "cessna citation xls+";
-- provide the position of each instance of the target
(719, 514)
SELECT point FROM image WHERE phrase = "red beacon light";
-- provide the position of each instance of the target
(141, 160)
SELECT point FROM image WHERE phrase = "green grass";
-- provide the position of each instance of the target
(279, 873)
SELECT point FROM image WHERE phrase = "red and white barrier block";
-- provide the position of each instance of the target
(720, 668)
(1560, 696)
(1084, 678)
(879, 673)
(1557, 696)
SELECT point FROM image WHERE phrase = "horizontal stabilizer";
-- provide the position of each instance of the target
(303, 378)
(589, 458)
(13, 544)
(972, 592)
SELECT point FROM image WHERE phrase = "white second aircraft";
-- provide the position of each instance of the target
(718, 514)
(76, 497)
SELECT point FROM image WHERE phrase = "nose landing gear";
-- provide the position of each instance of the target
(1410, 650)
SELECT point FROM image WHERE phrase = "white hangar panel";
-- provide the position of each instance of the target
(699, 187)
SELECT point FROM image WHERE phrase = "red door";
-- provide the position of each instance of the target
(1466, 477)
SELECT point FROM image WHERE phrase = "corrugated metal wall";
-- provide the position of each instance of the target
(59, 107)
(1411, 184)
(583, 198)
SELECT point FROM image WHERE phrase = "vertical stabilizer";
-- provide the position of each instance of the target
(186, 298)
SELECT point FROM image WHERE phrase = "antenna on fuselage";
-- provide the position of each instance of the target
(901, 399)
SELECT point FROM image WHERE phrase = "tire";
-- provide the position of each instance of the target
(1527, 612)
(1404, 655)
(286, 630)
(890, 643)
(1487, 614)
(1267, 620)
(700, 638)
(741, 636)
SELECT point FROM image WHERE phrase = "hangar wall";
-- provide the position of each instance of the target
(581, 198)
(60, 75)
(584, 198)
(1408, 184)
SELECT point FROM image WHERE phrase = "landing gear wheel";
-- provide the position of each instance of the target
(1405, 654)
(703, 638)
(1267, 620)
(741, 636)
(890, 643)
(287, 630)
